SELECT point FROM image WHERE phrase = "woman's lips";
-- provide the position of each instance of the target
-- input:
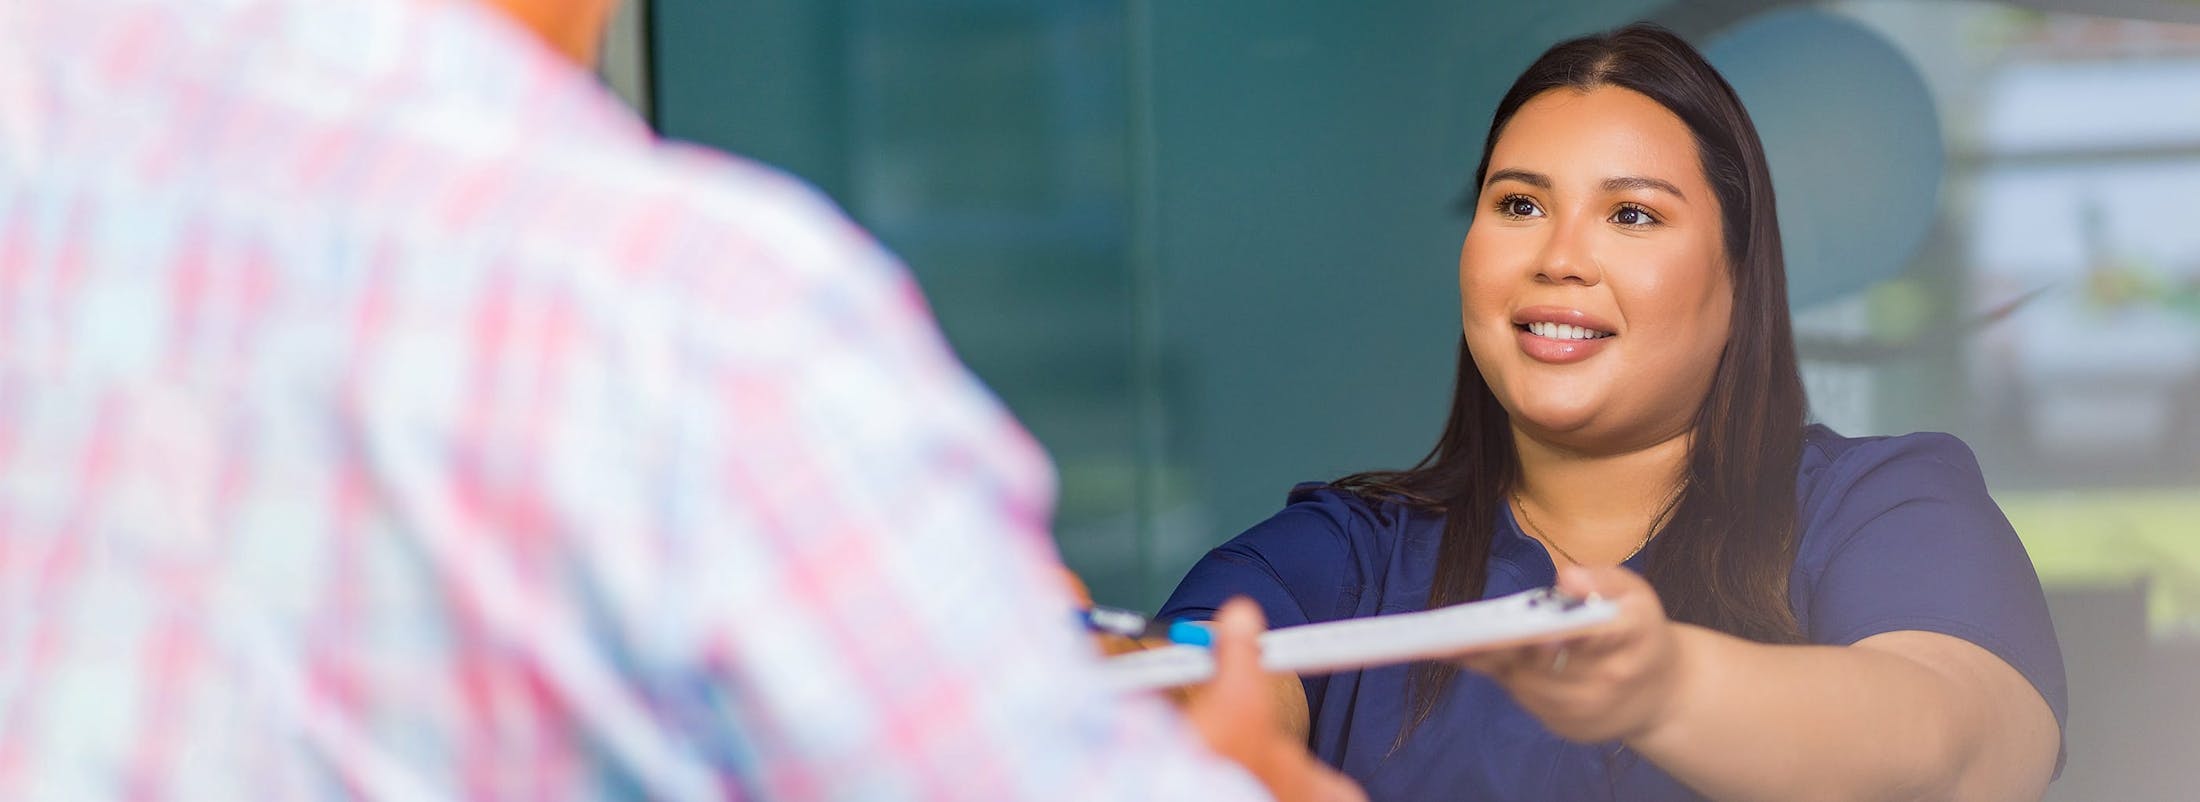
(1568, 335)
(1557, 351)
(1565, 315)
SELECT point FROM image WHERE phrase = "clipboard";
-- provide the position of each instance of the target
(1354, 643)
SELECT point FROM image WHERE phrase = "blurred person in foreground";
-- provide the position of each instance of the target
(385, 413)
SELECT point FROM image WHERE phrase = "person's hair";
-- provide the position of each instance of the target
(1723, 558)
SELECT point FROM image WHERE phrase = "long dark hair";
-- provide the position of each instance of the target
(1722, 561)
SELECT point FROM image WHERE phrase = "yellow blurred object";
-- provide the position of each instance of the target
(2099, 536)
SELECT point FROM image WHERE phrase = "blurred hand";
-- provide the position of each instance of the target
(1076, 585)
(1111, 644)
(1236, 713)
(1609, 683)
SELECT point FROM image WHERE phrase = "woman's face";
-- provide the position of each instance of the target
(1593, 287)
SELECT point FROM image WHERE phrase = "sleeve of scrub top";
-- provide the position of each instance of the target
(1919, 545)
(1296, 564)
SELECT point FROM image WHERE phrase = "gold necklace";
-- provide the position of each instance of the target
(1655, 521)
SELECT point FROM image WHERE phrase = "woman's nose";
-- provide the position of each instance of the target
(1567, 259)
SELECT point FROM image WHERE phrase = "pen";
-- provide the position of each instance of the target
(1129, 624)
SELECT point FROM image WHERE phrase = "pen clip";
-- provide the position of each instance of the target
(1566, 602)
(1114, 621)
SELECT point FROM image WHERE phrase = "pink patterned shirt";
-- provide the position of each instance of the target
(384, 413)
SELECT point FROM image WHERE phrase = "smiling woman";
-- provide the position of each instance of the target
(1804, 615)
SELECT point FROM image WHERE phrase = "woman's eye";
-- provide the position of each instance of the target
(1632, 216)
(1517, 206)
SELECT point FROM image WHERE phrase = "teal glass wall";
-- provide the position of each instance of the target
(1203, 250)
(989, 145)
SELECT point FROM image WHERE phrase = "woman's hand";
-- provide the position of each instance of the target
(1612, 682)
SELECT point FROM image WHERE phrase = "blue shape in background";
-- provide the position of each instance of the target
(1854, 141)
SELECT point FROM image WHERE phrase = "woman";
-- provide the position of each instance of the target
(1802, 615)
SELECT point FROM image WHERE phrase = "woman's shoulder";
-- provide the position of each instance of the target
(1313, 560)
(1360, 514)
(1831, 465)
(1846, 485)
(1331, 523)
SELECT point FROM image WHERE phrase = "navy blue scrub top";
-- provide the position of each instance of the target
(1898, 533)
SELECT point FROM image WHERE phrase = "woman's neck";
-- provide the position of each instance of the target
(1596, 507)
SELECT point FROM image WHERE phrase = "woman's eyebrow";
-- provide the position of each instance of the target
(1537, 180)
(1627, 182)
(1613, 184)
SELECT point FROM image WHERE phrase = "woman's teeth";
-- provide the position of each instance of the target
(1562, 331)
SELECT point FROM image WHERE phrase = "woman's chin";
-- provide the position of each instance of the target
(1556, 419)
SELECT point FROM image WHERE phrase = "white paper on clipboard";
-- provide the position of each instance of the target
(1333, 646)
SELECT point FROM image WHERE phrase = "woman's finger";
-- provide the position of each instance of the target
(1493, 664)
(1639, 608)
